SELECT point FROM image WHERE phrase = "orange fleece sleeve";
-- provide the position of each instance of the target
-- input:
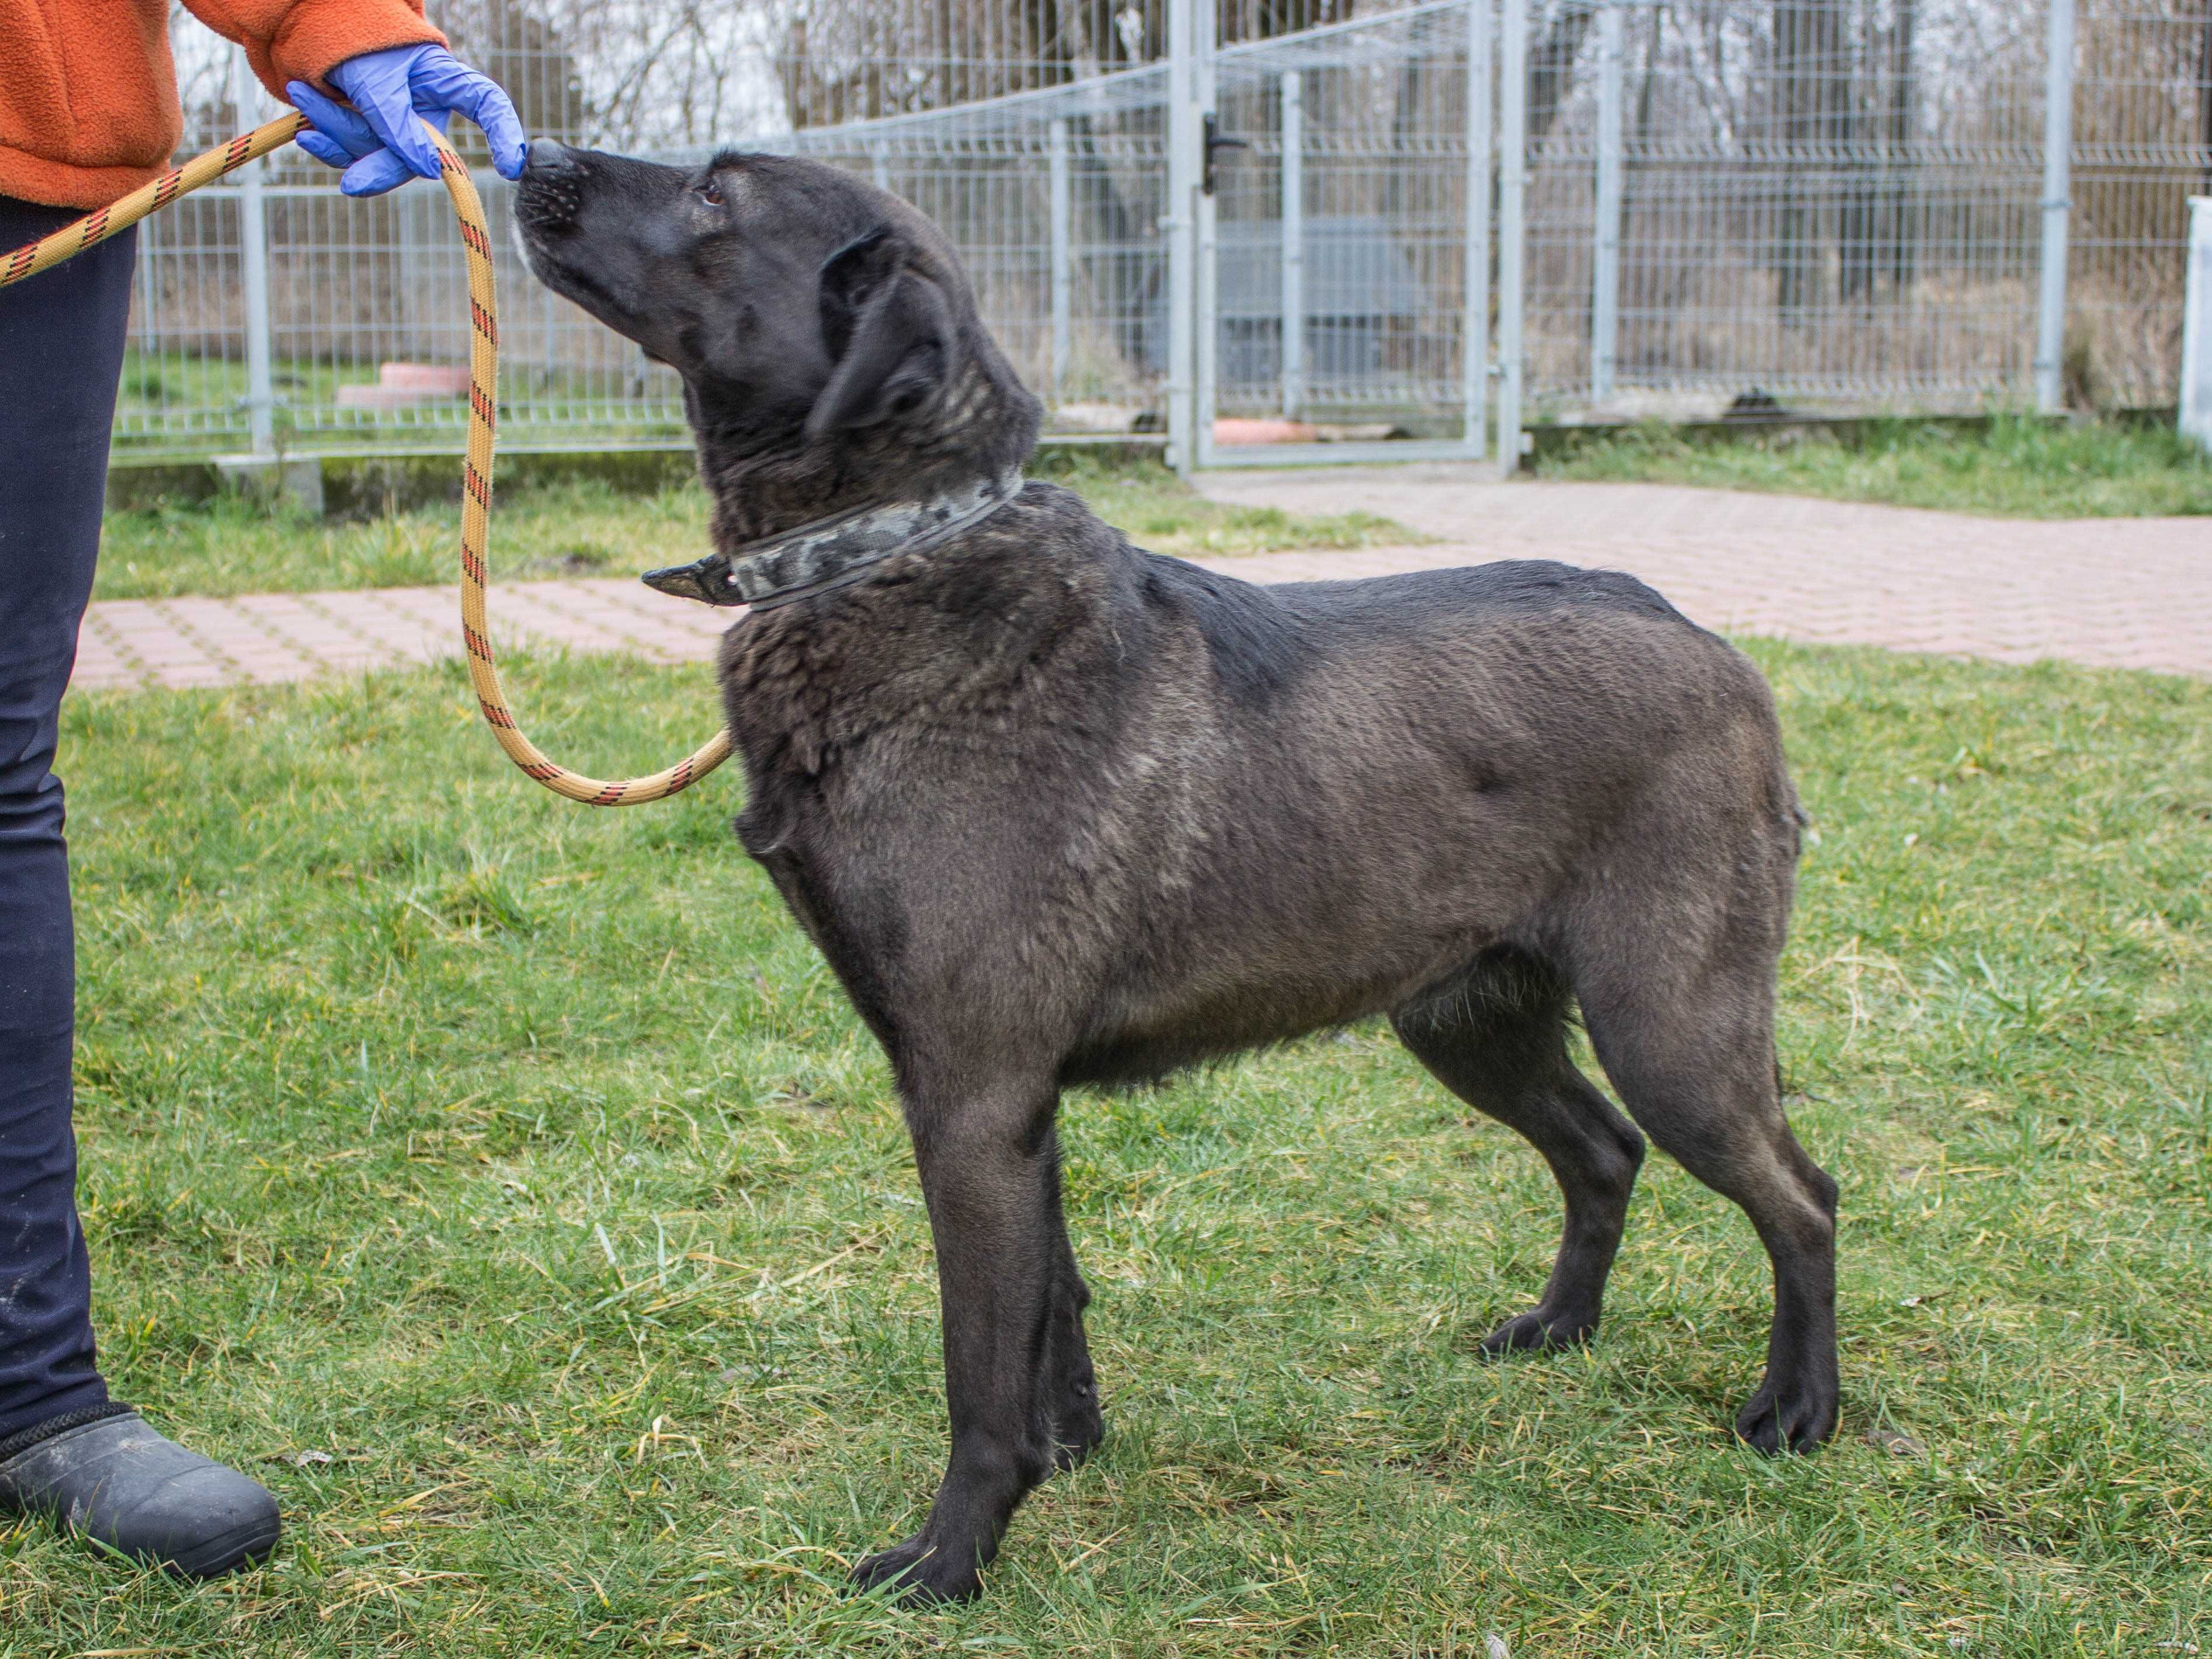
(305, 40)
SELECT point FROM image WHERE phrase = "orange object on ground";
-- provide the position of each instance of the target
(88, 94)
(1235, 429)
(406, 385)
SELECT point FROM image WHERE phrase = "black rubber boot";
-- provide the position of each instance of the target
(104, 1474)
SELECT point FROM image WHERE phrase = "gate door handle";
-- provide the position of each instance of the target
(1214, 144)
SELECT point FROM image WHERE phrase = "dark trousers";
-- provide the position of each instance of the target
(61, 356)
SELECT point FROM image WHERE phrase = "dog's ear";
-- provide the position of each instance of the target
(891, 331)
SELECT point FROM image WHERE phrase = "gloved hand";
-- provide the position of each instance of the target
(379, 143)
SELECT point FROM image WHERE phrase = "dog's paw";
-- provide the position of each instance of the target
(1795, 1417)
(1538, 1329)
(918, 1573)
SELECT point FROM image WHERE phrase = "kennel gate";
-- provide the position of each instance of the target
(1338, 237)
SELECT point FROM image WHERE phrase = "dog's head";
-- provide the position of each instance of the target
(805, 309)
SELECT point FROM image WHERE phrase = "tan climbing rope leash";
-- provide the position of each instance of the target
(476, 469)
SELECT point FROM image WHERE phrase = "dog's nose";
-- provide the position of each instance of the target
(550, 158)
(550, 189)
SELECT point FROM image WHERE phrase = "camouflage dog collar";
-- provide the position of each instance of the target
(830, 553)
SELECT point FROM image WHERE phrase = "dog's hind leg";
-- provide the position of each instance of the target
(1496, 1036)
(1071, 1385)
(1690, 1046)
(988, 1171)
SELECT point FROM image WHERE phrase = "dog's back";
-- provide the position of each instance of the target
(1380, 780)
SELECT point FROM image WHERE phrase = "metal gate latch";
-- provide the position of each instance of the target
(1215, 141)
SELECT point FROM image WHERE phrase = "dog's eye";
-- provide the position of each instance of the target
(711, 193)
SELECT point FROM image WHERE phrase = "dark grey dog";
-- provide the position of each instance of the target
(1059, 812)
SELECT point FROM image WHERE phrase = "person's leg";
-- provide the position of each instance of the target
(66, 1450)
(61, 356)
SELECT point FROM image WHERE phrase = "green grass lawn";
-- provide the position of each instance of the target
(232, 546)
(509, 1186)
(2018, 468)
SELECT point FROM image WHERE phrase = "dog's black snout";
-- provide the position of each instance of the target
(549, 157)
(548, 195)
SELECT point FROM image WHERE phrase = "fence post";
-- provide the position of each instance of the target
(1206, 312)
(1512, 230)
(1474, 333)
(1186, 137)
(1063, 275)
(879, 165)
(2195, 418)
(253, 256)
(1605, 262)
(2058, 176)
(1294, 243)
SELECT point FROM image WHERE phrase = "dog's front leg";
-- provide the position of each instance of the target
(988, 1173)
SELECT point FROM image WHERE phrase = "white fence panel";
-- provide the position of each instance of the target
(1652, 207)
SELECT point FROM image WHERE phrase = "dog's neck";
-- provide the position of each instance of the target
(794, 518)
(978, 428)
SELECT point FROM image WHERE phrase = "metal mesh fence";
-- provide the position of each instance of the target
(1841, 203)
(1846, 203)
(1804, 202)
(2142, 145)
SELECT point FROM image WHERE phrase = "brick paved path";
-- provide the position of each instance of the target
(288, 636)
(2110, 592)
(2119, 592)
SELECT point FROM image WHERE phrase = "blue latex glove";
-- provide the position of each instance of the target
(380, 141)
